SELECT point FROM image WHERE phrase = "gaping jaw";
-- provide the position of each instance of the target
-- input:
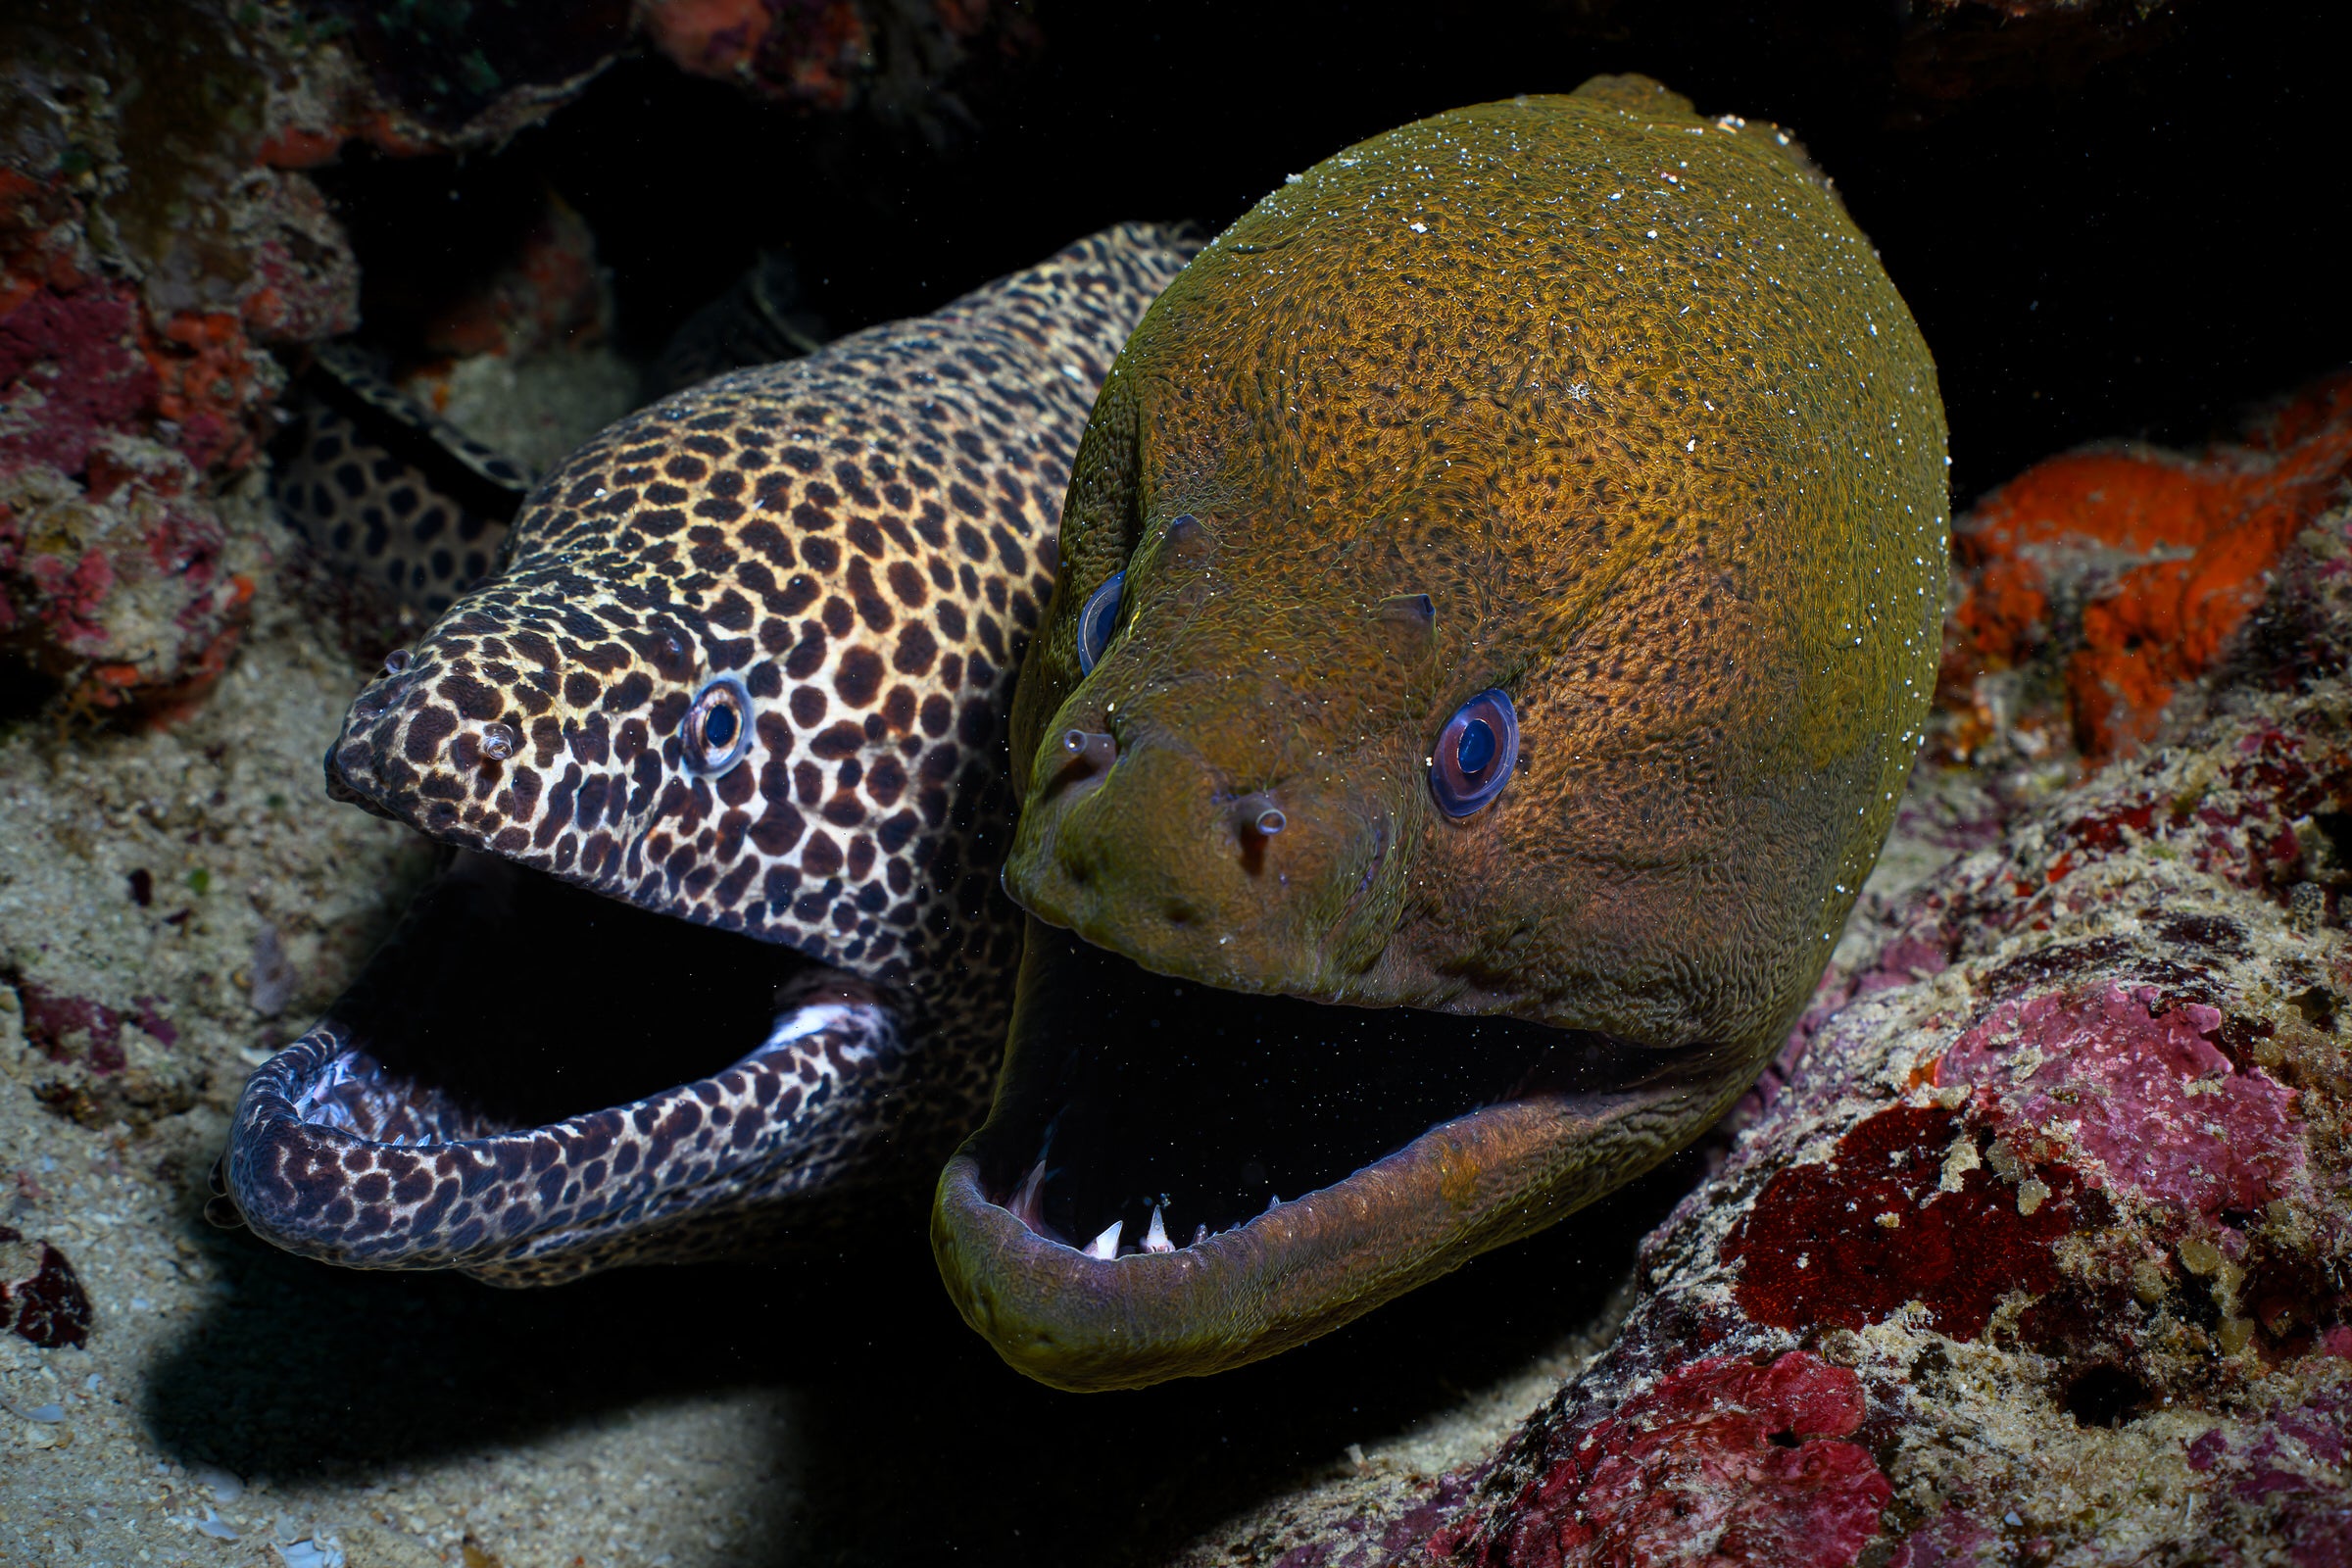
(529, 1082)
(1176, 1179)
(569, 1055)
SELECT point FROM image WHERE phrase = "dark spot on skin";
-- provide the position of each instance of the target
(820, 857)
(426, 733)
(859, 677)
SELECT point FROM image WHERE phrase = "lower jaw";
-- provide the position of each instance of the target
(529, 1082)
(1408, 1143)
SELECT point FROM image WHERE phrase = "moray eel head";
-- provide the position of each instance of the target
(1498, 602)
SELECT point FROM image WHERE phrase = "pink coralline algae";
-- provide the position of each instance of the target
(2151, 1098)
(1721, 1461)
(71, 373)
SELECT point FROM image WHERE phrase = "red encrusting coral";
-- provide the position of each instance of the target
(2162, 556)
(819, 54)
(1905, 1211)
(548, 294)
(1720, 1461)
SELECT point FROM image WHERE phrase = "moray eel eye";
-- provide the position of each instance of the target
(717, 729)
(1475, 754)
(1097, 621)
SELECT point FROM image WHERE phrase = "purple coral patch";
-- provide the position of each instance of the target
(2146, 1093)
(48, 1306)
(56, 1022)
(71, 371)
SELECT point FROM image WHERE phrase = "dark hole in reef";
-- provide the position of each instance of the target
(2317, 1006)
(2338, 826)
(527, 1001)
(1782, 1439)
(25, 689)
(1132, 1087)
(1930, 1367)
(2106, 1395)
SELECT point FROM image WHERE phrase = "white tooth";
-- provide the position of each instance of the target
(1028, 1202)
(1105, 1244)
(1155, 1239)
(1273, 1201)
(1199, 1235)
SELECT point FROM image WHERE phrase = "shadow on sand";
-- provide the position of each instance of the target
(912, 1440)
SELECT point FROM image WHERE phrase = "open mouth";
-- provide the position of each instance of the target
(531, 1080)
(1176, 1178)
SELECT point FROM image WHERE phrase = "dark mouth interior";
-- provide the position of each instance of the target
(1133, 1090)
(508, 1000)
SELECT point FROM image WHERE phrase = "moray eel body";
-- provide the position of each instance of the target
(396, 498)
(720, 746)
(410, 510)
(1499, 597)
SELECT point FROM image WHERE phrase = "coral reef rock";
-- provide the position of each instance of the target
(160, 238)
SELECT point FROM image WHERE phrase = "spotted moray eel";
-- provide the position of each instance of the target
(745, 669)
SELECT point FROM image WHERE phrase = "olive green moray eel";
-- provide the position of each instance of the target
(1500, 599)
(719, 747)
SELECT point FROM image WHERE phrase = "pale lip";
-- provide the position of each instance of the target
(1134, 1303)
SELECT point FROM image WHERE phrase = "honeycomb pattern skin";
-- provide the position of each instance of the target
(864, 539)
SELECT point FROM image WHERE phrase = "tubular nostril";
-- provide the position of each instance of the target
(498, 742)
(395, 660)
(1091, 749)
(1257, 814)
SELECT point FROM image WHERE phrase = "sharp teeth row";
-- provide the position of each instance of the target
(1155, 1237)
(1028, 1206)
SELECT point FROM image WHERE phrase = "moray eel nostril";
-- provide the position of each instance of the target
(1549, 634)
(1257, 814)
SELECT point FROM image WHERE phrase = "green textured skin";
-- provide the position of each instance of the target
(1630, 397)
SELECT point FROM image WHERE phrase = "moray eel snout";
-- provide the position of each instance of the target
(1230, 826)
(1499, 597)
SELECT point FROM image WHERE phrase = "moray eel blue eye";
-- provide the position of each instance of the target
(1097, 621)
(1475, 754)
(717, 729)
